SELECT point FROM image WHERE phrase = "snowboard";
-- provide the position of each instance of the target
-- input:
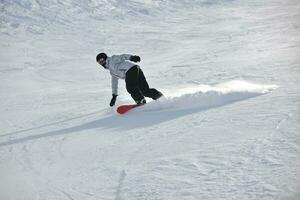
(125, 108)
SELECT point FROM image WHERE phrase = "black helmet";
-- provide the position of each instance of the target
(101, 55)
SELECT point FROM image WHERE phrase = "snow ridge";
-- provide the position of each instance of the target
(37, 16)
(203, 97)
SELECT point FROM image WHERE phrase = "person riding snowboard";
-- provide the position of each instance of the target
(121, 67)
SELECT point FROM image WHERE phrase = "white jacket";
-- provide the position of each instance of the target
(118, 65)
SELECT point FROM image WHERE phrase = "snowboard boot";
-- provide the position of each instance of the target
(141, 102)
(157, 95)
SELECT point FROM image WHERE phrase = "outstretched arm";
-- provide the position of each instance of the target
(114, 86)
(124, 57)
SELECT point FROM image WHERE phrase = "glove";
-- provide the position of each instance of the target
(135, 58)
(113, 100)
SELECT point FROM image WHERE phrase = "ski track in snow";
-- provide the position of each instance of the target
(227, 128)
(120, 185)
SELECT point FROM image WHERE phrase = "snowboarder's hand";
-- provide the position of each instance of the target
(113, 100)
(135, 58)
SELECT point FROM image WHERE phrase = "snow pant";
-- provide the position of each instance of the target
(137, 86)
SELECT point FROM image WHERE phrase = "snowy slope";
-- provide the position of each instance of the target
(227, 128)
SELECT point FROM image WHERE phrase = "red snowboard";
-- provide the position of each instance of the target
(125, 108)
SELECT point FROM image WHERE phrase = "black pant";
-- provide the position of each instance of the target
(137, 86)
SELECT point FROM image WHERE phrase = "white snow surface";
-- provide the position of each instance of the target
(228, 125)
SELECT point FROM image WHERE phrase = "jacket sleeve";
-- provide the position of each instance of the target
(121, 58)
(114, 84)
(126, 56)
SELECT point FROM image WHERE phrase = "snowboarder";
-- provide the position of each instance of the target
(121, 67)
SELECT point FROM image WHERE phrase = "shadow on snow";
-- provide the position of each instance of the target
(149, 115)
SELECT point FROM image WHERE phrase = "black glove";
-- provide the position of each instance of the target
(113, 100)
(135, 58)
